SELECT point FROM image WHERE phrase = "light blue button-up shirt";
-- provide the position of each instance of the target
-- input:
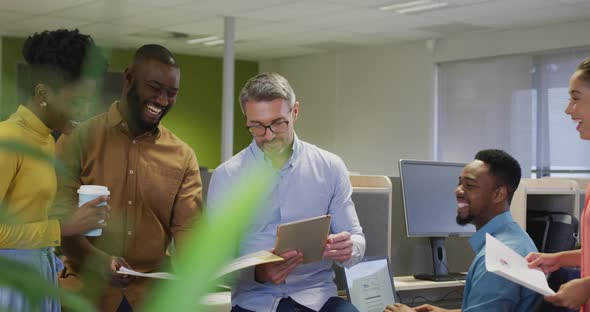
(486, 291)
(312, 183)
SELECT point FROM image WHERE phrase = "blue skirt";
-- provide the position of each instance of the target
(48, 264)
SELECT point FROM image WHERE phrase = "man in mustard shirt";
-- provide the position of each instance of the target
(153, 177)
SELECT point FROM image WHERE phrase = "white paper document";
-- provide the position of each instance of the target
(248, 260)
(502, 260)
(256, 258)
(162, 275)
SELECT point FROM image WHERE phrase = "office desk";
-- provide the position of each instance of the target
(410, 290)
(415, 292)
(404, 283)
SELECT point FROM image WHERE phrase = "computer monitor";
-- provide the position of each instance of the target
(430, 207)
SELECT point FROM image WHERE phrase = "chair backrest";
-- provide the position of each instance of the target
(372, 197)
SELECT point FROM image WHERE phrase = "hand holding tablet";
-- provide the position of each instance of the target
(308, 236)
(297, 242)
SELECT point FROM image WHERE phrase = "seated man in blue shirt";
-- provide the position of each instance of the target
(484, 193)
(309, 182)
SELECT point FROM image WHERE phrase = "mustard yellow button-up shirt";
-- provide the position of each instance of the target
(155, 196)
(27, 185)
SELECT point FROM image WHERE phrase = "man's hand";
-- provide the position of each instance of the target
(277, 272)
(427, 308)
(118, 280)
(547, 262)
(572, 294)
(338, 247)
(398, 307)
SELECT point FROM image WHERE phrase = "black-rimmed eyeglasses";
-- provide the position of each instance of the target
(275, 127)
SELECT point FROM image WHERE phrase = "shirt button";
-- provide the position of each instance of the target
(129, 233)
(130, 202)
(130, 171)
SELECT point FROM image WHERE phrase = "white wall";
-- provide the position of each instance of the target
(374, 106)
(486, 103)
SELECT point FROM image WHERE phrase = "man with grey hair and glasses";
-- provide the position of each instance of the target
(309, 182)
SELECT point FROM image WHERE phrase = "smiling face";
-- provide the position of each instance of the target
(476, 194)
(578, 107)
(152, 90)
(68, 105)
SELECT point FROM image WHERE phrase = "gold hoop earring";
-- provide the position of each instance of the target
(43, 104)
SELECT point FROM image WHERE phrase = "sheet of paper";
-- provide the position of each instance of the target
(217, 299)
(256, 258)
(502, 260)
(162, 275)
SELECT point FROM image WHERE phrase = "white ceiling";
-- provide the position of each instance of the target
(276, 28)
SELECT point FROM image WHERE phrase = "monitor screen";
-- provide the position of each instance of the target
(428, 191)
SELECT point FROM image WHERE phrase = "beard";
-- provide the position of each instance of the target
(136, 110)
(464, 220)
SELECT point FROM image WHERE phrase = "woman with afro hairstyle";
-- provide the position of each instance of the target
(65, 66)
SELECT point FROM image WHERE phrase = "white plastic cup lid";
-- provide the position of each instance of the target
(94, 190)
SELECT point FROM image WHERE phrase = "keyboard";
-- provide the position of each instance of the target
(441, 278)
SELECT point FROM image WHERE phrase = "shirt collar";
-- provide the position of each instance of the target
(32, 121)
(259, 154)
(478, 239)
(115, 119)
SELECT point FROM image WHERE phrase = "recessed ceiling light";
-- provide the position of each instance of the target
(420, 8)
(213, 43)
(404, 5)
(199, 40)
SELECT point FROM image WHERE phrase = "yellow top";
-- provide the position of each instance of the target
(27, 185)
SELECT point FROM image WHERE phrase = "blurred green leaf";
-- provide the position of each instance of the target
(9, 145)
(29, 281)
(212, 245)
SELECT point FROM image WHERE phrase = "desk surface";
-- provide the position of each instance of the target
(221, 301)
(410, 283)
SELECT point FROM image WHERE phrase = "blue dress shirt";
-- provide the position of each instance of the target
(312, 183)
(486, 291)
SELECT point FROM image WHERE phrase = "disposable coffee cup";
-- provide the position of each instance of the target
(87, 193)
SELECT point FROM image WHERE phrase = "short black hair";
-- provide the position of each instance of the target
(62, 56)
(503, 167)
(154, 52)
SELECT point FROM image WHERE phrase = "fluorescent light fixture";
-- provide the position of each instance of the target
(213, 43)
(420, 8)
(398, 6)
(199, 40)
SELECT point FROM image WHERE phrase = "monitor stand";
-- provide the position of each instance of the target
(439, 261)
